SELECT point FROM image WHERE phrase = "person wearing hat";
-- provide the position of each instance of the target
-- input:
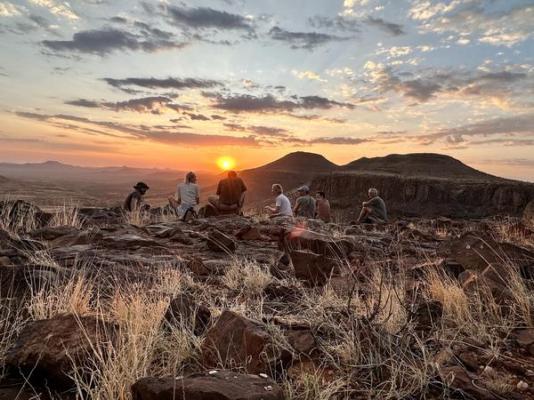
(135, 201)
(305, 204)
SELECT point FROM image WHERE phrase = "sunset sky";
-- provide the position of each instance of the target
(180, 83)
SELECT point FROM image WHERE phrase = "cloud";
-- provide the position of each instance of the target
(310, 75)
(105, 41)
(169, 136)
(303, 40)
(259, 129)
(204, 17)
(165, 83)
(510, 127)
(338, 23)
(269, 103)
(151, 104)
(497, 85)
(197, 117)
(9, 10)
(510, 25)
(390, 28)
(60, 9)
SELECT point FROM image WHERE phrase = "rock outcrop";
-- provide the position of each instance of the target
(427, 197)
(214, 385)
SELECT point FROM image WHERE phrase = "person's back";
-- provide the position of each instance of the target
(378, 207)
(230, 190)
(188, 194)
(323, 209)
(132, 201)
(284, 205)
(305, 206)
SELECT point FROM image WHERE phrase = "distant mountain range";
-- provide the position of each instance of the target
(292, 170)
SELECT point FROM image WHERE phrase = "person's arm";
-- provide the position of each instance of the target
(134, 203)
(218, 193)
(197, 195)
(178, 196)
(297, 205)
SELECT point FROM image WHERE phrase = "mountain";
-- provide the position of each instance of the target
(3, 179)
(419, 164)
(299, 161)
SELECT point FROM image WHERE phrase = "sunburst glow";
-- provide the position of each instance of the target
(225, 163)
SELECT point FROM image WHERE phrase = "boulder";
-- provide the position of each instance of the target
(214, 385)
(238, 342)
(47, 348)
(524, 337)
(51, 233)
(18, 281)
(183, 309)
(220, 242)
(250, 233)
(528, 215)
(22, 215)
(302, 239)
(197, 266)
(311, 268)
(476, 252)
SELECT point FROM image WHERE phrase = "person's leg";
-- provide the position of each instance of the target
(241, 204)
(214, 201)
(173, 203)
(363, 214)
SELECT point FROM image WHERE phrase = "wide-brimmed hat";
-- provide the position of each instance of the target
(303, 188)
(141, 185)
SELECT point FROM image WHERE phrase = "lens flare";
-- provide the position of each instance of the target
(225, 163)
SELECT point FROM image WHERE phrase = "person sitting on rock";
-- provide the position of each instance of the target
(135, 201)
(374, 210)
(305, 204)
(230, 195)
(282, 204)
(322, 207)
(187, 198)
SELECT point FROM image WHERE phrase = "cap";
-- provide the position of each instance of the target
(303, 188)
(141, 185)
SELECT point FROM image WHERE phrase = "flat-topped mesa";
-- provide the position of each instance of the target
(427, 196)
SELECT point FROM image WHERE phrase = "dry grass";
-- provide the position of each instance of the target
(366, 337)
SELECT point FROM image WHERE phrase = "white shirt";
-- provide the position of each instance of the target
(188, 193)
(284, 205)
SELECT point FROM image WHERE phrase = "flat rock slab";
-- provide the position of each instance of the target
(215, 385)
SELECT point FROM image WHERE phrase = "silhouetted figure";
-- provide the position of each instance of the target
(305, 204)
(135, 200)
(374, 210)
(322, 207)
(230, 195)
(187, 198)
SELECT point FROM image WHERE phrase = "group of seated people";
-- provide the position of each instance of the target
(230, 198)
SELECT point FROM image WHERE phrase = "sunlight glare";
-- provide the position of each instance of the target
(225, 163)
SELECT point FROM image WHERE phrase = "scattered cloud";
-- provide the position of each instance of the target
(338, 23)
(162, 83)
(108, 40)
(310, 75)
(268, 103)
(390, 28)
(510, 25)
(303, 40)
(61, 9)
(8, 9)
(204, 17)
(152, 104)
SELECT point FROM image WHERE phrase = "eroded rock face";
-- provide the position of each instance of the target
(237, 341)
(428, 197)
(48, 347)
(215, 385)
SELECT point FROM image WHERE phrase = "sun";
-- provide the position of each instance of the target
(225, 163)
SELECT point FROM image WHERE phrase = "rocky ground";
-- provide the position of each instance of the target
(96, 305)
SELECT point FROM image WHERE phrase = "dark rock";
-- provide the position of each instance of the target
(197, 266)
(524, 337)
(238, 342)
(287, 294)
(185, 310)
(427, 314)
(22, 215)
(51, 233)
(250, 233)
(47, 348)
(528, 215)
(215, 385)
(218, 241)
(303, 239)
(311, 268)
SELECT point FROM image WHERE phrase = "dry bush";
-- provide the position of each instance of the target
(246, 276)
(66, 215)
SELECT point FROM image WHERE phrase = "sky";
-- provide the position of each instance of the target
(177, 84)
